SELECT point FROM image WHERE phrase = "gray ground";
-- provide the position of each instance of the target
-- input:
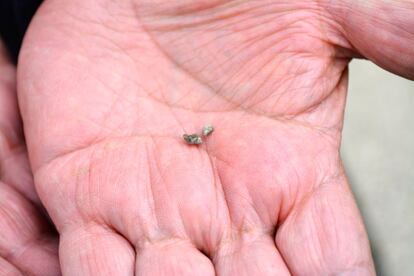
(378, 150)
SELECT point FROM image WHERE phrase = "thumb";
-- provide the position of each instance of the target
(380, 30)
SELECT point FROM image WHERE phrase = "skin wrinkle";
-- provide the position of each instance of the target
(317, 250)
(391, 48)
(246, 10)
(9, 269)
(270, 95)
(173, 113)
(72, 220)
(321, 251)
(255, 209)
(108, 229)
(252, 76)
(147, 95)
(194, 23)
(91, 21)
(97, 230)
(245, 46)
(199, 246)
(313, 107)
(87, 202)
(106, 118)
(217, 92)
(90, 207)
(277, 211)
(216, 156)
(280, 95)
(151, 178)
(9, 215)
(86, 147)
(240, 230)
(300, 201)
(161, 173)
(150, 96)
(298, 205)
(176, 104)
(249, 40)
(218, 37)
(177, 65)
(305, 132)
(162, 180)
(99, 141)
(323, 98)
(336, 245)
(329, 23)
(381, 21)
(118, 50)
(224, 82)
(241, 104)
(111, 231)
(214, 6)
(281, 217)
(224, 34)
(11, 255)
(209, 250)
(230, 248)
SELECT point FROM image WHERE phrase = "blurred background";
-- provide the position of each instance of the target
(378, 152)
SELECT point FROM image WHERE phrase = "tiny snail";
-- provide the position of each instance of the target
(195, 139)
(192, 139)
(207, 130)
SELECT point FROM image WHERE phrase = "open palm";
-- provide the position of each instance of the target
(108, 89)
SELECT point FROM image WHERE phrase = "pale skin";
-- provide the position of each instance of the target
(28, 243)
(107, 89)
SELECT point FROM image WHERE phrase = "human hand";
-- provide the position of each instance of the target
(28, 245)
(108, 88)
